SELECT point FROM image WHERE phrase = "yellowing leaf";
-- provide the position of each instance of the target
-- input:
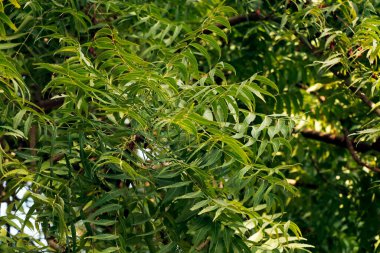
(5, 19)
(15, 3)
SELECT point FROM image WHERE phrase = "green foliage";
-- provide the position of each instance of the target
(164, 126)
(122, 123)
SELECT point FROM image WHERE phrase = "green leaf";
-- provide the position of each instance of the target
(258, 196)
(16, 172)
(4, 46)
(203, 52)
(12, 37)
(210, 40)
(272, 131)
(208, 209)
(218, 32)
(218, 213)
(105, 209)
(15, 3)
(176, 185)
(17, 119)
(103, 237)
(191, 195)
(298, 246)
(223, 21)
(266, 122)
(227, 9)
(4, 18)
(266, 81)
(235, 147)
(101, 222)
(262, 147)
(200, 204)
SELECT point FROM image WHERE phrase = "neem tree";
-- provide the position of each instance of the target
(165, 126)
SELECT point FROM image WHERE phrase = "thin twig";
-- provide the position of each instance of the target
(203, 245)
(357, 92)
(256, 16)
(355, 155)
(365, 99)
(52, 243)
(252, 16)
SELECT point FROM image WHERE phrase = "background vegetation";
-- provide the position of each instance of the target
(189, 126)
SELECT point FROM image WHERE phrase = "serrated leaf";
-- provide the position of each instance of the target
(256, 237)
(208, 114)
(272, 131)
(266, 122)
(262, 147)
(255, 132)
(276, 145)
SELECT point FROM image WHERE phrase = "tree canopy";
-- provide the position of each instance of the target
(189, 126)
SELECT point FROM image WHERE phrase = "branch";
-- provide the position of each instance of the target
(361, 95)
(43, 105)
(252, 16)
(340, 141)
(355, 155)
(365, 99)
(257, 16)
(306, 88)
(50, 104)
(306, 185)
(203, 245)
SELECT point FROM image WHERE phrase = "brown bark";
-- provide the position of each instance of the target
(250, 17)
(340, 141)
(365, 99)
(354, 155)
(50, 103)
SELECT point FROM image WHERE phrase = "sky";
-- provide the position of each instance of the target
(26, 205)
